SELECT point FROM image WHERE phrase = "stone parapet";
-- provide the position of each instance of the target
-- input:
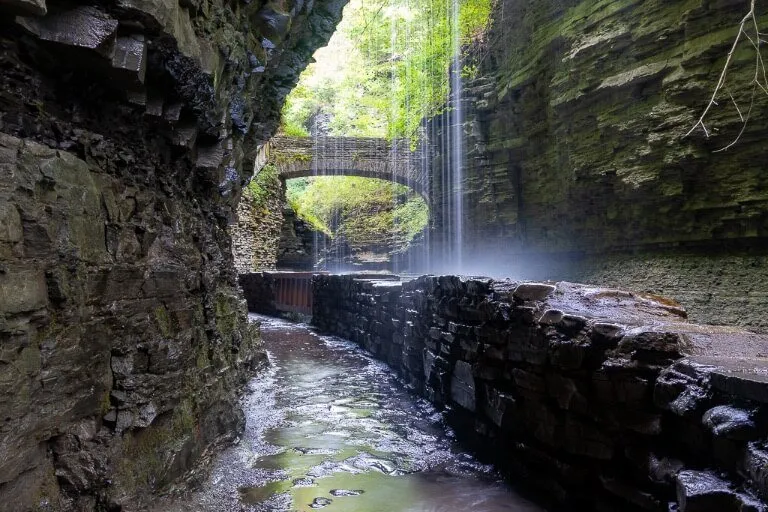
(599, 398)
(298, 157)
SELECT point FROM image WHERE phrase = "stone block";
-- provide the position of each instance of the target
(731, 422)
(500, 408)
(755, 466)
(533, 291)
(551, 317)
(605, 334)
(22, 290)
(679, 390)
(25, 7)
(744, 378)
(703, 491)
(568, 353)
(82, 27)
(629, 492)
(565, 392)
(10, 224)
(542, 422)
(131, 56)
(463, 385)
(529, 381)
(586, 439)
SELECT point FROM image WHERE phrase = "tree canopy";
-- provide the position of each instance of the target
(385, 69)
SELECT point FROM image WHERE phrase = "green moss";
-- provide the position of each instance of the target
(369, 212)
(202, 360)
(163, 321)
(264, 186)
(47, 495)
(145, 460)
(226, 314)
(105, 403)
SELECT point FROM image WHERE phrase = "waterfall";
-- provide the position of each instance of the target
(407, 67)
(456, 134)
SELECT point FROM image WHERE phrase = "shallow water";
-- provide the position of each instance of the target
(329, 428)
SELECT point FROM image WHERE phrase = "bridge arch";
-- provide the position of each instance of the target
(298, 157)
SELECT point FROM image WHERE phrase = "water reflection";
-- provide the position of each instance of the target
(328, 428)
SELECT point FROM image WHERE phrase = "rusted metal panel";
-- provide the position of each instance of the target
(293, 291)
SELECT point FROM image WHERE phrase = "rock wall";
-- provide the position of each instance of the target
(259, 292)
(260, 222)
(296, 248)
(716, 286)
(127, 130)
(597, 398)
(576, 129)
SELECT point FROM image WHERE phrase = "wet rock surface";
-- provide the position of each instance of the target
(601, 399)
(329, 428)
(580, 166)
(517, 201)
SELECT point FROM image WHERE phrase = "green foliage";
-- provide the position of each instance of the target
(365, 211)
(411, 217)
(386, 68)
(263, 186)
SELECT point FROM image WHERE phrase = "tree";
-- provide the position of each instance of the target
(748, 30)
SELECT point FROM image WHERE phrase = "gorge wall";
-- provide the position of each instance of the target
(577, 164)
(260, 221)
(598, 399)
(127, 131)
(269, 235)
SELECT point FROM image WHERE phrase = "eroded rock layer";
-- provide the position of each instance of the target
(576, 125)
(127, 131)
(598, 398)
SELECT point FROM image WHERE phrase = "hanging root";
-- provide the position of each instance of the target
(759, 81)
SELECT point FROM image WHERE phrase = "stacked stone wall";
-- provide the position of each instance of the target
(600, 399)
(257, 233)
(259, 291)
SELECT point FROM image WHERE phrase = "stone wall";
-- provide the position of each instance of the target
(597, 398)
(260, 219)
(576, 130)
(127, 130)
(298, 157)
(259, 292)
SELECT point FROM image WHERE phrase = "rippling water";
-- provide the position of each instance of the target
(330, 428)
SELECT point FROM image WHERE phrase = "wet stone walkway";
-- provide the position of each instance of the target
(330, 428)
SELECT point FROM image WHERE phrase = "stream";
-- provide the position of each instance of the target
(330, 428)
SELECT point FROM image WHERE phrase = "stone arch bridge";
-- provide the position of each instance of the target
(298, 157)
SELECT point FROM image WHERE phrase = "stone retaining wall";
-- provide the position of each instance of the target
(259, 292)
(600, 399)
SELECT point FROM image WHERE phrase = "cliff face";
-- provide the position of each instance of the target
(256, 236)
(576, 128)
(127, 130)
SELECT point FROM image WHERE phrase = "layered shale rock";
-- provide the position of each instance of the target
(599, 398)
(577, 154)
(127, 131)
